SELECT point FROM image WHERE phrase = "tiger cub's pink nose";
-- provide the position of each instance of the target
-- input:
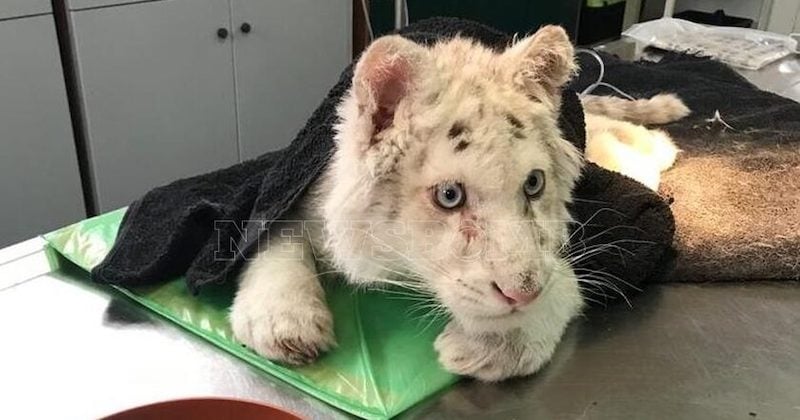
(517, 296)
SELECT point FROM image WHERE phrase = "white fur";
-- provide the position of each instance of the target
(279, 310)
(629, 149)
(397, 140)
(519, 350)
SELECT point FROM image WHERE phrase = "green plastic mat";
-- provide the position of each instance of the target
(384, 362)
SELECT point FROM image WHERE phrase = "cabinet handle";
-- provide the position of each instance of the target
(246, 28)
(222, 33)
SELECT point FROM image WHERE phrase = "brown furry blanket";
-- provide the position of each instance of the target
(737, 205)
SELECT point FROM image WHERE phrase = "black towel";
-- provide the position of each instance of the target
(189, 225)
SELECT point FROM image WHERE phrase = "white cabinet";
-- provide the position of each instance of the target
(174, 88)
(158, 94)
(90, 4)
(40, 187)
(286, 63)
(19, 8)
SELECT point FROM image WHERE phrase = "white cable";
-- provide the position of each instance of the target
(669, 8)
(618, 90)
(589, 89)
(367, 20)
(398, 14)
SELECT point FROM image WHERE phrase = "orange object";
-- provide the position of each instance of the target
(204, 409)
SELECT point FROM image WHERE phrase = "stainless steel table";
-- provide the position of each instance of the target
(71, 350)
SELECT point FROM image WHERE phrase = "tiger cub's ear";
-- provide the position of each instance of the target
(542, 63)
(384, 76)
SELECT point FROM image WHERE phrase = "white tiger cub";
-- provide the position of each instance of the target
(450, 176)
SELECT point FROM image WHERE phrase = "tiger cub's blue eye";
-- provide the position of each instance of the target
(534, 184)
(449, 195)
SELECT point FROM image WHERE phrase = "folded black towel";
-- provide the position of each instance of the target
(188, 226)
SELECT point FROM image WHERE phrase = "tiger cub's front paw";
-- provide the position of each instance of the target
(293, 334)
(490, 357)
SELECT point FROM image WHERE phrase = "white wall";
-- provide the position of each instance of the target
(780, 16)
(784, 17)
(750, 9)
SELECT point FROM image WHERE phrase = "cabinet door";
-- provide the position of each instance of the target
(157, 84)
(40, 187)
(17, 8)
(285, 65)
(88, 4)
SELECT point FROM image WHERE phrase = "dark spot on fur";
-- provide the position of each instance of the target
(533, 97)
(472, 299)
(432, 98)
(456, 130)
(527, 281)
(516, 127)
(528, 209)
(461, 145)
(464, 284)
(514, 121)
